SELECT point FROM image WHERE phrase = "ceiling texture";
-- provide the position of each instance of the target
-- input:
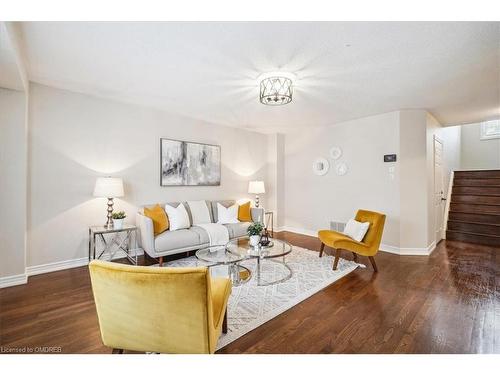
(209, 70)
(10, 76)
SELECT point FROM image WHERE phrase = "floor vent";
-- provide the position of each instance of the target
(337, 226)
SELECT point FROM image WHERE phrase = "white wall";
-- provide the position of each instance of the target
(74, 138)
(13, 182)
(478, 154)
(451, 137)
(413, 178)
(404, 195)
(312, 202)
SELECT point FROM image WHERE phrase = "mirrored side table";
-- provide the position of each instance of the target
(269, 222)
(107, 243)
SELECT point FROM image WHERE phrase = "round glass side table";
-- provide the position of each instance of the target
(277, 250)
(219, 256)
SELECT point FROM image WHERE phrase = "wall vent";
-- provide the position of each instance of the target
(337, 226)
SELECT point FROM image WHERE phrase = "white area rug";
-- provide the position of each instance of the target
(251, 305)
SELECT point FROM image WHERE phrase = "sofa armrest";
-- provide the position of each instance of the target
(146, 233)
(257, 215)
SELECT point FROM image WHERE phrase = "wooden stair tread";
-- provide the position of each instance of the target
(473, 222)
(474, 203)
(474, 234)
(482, 213)
(474, 207)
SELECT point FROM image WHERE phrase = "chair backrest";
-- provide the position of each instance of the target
(377, 220)
(166, 310)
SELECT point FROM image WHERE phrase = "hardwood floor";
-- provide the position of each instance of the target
(446, 303)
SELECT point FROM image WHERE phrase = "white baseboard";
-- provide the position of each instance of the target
(383, 247)
(66, 264)
(305, 232)
(56, 266)
(13, 280)
(408, 250)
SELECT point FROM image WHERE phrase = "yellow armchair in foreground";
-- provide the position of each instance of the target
(155, 309)
(370, 245)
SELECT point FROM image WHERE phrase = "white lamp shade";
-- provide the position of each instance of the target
(256, 187)
(108, 187)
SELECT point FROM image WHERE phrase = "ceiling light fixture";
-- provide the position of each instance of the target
(276, 89)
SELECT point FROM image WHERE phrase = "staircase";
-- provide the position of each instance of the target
(474, 214)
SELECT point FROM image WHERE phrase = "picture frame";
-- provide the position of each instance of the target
(184, 163)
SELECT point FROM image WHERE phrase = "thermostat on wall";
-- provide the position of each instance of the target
(389, 158)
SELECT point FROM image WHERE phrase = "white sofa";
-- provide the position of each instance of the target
(183, 240)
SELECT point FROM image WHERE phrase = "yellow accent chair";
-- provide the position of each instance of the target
(159, 309)
(371, 242)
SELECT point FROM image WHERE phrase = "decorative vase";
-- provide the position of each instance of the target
(254, 240)
(118, 223)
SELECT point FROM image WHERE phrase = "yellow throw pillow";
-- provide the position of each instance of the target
(244, 212)
(159, 217)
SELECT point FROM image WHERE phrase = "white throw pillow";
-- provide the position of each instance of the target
(177, 216)
(227, 215)
(199, 212)
(356, 230)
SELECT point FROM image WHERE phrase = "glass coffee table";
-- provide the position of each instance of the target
(218, 256)
(275, 252)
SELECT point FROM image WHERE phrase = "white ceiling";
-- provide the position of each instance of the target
(10, 77)
(209, 70)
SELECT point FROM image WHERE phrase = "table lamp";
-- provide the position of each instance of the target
(109, 187)
(256, 187)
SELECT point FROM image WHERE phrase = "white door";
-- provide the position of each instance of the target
(439, 196)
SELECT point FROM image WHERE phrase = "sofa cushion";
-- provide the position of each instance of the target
(178, 217)
(159, 217)
(244, 213)
(227, 215)
(238, 229)
(178, 239)
(200, 212)
(227, 203)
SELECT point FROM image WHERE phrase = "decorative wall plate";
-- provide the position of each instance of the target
(320, 166)
(341, 168)
(335, 152)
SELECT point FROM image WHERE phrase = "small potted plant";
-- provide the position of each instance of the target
(118, 218)
(254, 231)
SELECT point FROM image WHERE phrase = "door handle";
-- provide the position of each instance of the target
(443, 199)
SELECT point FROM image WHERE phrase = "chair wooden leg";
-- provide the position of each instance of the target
(117, 351)
(372, 261)
(160, 261)
(224, 322)
(321, 249)
(336, 261)
(355, 256)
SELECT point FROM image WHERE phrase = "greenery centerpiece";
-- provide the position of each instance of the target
(254, 231)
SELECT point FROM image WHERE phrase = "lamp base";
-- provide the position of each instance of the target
(109, 222)
(257, 201)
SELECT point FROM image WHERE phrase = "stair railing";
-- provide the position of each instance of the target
(448, 202)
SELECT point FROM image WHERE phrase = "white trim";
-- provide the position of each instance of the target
(448, 202)
(13, 280)
(383, 247)
(56, 266)
(66, 264)
(8, 281)
(408, 250)
(305, 232)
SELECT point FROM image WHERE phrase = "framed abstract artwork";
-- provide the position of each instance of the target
(189, 163)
